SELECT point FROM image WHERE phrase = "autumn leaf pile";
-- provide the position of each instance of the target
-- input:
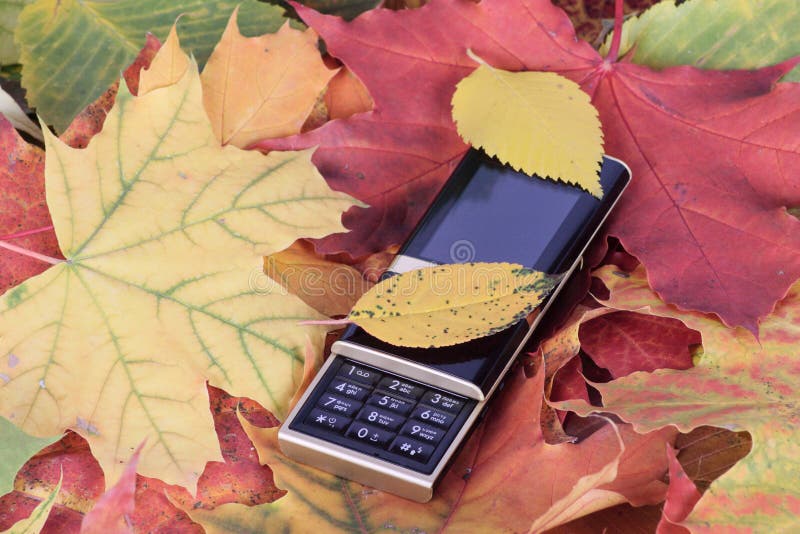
(153, 247)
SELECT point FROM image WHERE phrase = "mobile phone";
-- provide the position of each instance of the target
(393, 417)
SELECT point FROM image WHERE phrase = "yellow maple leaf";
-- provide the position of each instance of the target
(163, 230)
(448, 304)
(261, 87)
(538, 122)
(167, 67)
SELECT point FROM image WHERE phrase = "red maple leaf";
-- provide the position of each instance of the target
(712, 153)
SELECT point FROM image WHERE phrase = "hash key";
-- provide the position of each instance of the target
(412, 449)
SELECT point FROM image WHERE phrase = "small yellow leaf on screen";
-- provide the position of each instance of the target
(538, 122)
(449, 304)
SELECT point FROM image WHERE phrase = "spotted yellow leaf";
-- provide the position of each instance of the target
(163, 231)
(538, 122)
(449, 304)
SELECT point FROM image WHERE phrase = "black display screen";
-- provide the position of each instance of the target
(499, 214)
(490, 212)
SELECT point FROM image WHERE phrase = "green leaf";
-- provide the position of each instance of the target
(16, 448)
(72, 50)
(9, 11)
(714, 34)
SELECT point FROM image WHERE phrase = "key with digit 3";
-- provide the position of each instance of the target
(394, 417)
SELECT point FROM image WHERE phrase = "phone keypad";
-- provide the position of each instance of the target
(383, 414)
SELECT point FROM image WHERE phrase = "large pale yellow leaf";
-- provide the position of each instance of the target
(538, 122)
(262, 87)
(449, 304)
(163, 230)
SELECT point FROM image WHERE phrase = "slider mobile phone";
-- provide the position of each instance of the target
(393, 417)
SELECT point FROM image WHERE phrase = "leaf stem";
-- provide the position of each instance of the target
(30, 253)
(616, 39)
(24, 233)
(335, 322)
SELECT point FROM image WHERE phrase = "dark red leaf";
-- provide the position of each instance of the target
(626, 342)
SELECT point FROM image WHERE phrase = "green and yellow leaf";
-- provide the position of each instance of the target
(72, 50)
(714, 34)
(448, 304)
(163, 230)
(33, 523)
(538, 122)
(16, 447)
(740, 383)
(9, 13)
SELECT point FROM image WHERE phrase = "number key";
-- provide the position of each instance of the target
(348, 389)
(369, 434)
(423, 432)
(394, 404)
(443, 402)
(401, 387)
(432, 416)
(359, 374)
(338, 405)
(386, 420)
